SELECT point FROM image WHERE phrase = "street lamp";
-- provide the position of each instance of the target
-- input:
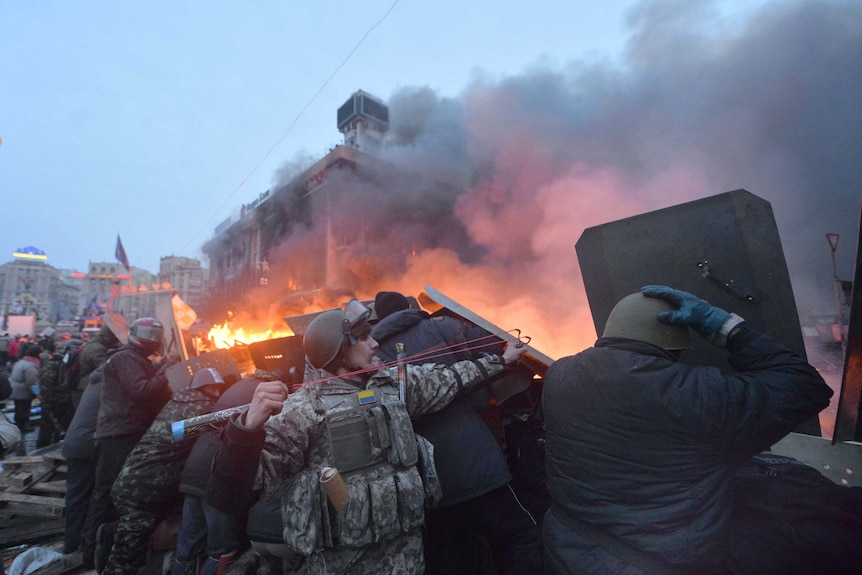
(833, 245)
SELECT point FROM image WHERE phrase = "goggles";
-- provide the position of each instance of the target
(355, 314)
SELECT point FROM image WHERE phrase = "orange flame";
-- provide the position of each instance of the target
(225, 336)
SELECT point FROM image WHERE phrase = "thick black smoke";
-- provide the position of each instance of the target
(698, 108)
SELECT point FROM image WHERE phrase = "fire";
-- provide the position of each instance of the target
(225, 336)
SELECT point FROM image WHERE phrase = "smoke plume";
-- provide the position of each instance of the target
(523, 165)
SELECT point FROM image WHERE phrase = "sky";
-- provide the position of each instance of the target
(157, 121)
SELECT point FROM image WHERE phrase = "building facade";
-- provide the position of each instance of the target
(31, 286)
(187, 277)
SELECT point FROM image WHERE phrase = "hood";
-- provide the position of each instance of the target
(398, 322)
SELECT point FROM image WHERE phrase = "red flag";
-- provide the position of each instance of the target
(120, 254)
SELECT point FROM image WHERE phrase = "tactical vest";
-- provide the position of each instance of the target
(388, 470)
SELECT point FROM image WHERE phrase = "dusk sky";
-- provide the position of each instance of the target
(158, 121)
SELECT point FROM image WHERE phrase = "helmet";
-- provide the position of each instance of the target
(331, 329)
(636, 317)
(147, 333)
(324, 337)
(107, 335)
(206, 376)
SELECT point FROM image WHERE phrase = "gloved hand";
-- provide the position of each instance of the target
(704, 318)
(166, 363)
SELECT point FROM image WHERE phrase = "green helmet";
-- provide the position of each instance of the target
(333, 328)
(636, 317)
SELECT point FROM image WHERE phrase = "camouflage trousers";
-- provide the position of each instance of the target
(133, 538)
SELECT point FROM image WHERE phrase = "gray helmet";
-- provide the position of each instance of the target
(636, 317)
(147, 333)
(330, 330)
(324, 337)
(206, 376)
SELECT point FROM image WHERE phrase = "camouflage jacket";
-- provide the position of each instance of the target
(294, 441)
(152, 471)
(52, 389)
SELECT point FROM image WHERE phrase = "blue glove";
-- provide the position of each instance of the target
(704, 318)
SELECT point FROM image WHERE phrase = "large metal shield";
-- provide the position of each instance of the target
(723, 248)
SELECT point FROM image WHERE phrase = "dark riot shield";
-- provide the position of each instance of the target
(723, 248)
(848, 422)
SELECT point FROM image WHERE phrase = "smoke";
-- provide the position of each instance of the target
(512, 171)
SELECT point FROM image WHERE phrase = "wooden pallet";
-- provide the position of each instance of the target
(34, 485)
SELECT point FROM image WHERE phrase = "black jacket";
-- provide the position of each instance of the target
(469, 460)
(133, 394)
(644, 447)
(198, 466)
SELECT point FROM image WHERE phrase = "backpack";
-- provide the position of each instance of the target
(70, 370)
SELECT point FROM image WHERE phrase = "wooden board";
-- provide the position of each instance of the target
(434, 301)
(32, 505)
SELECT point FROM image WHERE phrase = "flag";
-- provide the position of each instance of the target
(120, 254)
(184, 315)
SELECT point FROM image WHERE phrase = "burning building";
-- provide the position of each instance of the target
(341, 227)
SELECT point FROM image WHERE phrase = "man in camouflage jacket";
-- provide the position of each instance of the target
(285, 439)
(57, 408)
(147, 488)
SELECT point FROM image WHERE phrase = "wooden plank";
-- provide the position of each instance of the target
(23, 530)
(57, 487)
(17, 479)
(31, 505)
(55, 456)
(25, 461)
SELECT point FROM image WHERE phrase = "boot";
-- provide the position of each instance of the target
(104, 542)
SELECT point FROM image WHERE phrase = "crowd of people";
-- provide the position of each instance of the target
(375, 456)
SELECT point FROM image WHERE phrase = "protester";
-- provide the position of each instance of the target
(147, 487)
(5, 341)
(92, 355)
(14, 348)
(378, 530)
(207, 533)
(79, 450)
(134, 391)
(55, 398)
(642, 448)
(10, 436)
(24, 378)
(478, 498)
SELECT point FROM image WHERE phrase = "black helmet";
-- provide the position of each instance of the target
(636, 317)
(147, 333)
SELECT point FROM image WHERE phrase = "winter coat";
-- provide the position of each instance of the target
(25, 374)
(644, 448)
(134, 391)
(92, 355)
(78, 441)
(468, 457)
(53, 391)
(198, 466)
(295, 440)
(10, 436)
